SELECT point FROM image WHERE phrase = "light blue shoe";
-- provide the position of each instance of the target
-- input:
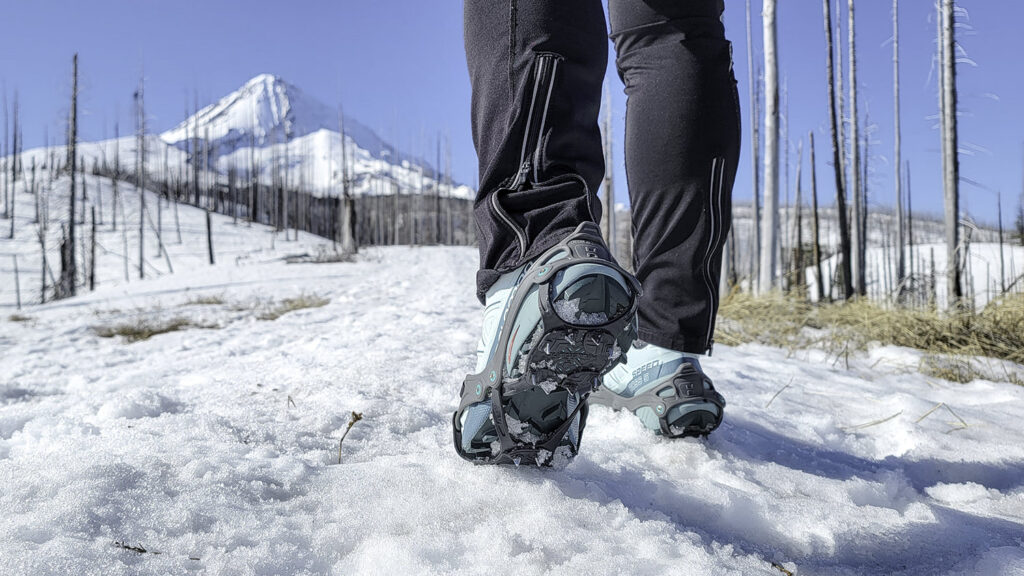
(666, 389)
(551, 329)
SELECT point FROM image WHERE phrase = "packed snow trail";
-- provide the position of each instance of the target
(217, 446)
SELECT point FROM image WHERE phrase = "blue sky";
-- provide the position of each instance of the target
(398, 65)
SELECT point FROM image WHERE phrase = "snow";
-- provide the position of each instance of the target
(569, 310)
(117, 251)
(218, 446)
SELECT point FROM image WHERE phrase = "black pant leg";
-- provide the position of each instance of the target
(682, 148)
(536, 69)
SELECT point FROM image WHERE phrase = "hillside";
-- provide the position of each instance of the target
(235, 244)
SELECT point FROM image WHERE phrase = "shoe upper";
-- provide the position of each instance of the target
(666, 389)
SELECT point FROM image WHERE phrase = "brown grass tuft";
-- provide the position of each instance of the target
(275, 310)
(997, 331)
(144, 329)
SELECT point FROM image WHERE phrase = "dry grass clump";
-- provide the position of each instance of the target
(145, 328)
(997, 331)
(18, 318)
(324, 255)
(205, 301)
(275, 310)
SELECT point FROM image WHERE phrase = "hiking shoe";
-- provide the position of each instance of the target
(666, 389)
(551, 329)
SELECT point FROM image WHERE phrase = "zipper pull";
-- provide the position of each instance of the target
(524, 173)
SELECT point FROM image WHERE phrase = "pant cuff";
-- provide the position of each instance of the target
(675, 342)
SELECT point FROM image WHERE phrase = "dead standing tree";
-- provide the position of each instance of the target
(346, 205)
(950, 159)
(855, 180)
(14, 153)
(818, 276)
(608, 216)
(68, 270)
(140, 173)
(844, 228)
(898, 176)
(755, 146)
(798, 250)
(771, 150)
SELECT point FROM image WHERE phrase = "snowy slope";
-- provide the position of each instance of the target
(217, 447)
(117, 250)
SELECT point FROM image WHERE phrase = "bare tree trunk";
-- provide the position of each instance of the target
(785, 251)
(347, 205)
(840, 96)
(209, 237)
(5, 151)
(92, 250)
(608, 217)
(865, 156)
(950, 160)
(113, 180)
(898, 176)
(798, 257)
(1002, 259)
(771, 151)
(69, 270)
(817, 242)
(42, 275)
(14, 167)
(140, 173)
(855, 184)
(755, 146)
(17, 281)
(910, 223)
(844, 231)
(1019, 221)
(35, 190)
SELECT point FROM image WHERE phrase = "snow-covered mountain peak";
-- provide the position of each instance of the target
(265, 110)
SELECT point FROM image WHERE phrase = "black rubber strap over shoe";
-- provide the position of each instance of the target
(571, 356)
(687, 386)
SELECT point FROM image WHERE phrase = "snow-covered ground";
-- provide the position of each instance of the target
(217, 447)
(117, 249)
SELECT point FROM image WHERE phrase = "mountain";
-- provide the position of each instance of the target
(266, 111)
(274, 127)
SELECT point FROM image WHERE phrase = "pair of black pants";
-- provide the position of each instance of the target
(536, 69)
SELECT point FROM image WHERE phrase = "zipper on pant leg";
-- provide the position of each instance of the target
(715, 215)
(545, 68)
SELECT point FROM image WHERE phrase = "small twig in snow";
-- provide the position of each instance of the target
(869, 424)
(356, 417)
(779, 392)
(138, 549)
(291, 402)
(781, 568)
(957, 416)
(929, 413)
